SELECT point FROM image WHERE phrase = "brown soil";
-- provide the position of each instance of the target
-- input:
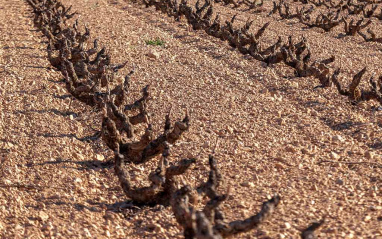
(276, 134)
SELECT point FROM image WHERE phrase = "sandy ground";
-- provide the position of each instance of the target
(273, 130)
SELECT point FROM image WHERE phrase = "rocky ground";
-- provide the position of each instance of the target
(270, 132)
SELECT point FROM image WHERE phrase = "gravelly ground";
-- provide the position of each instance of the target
(273, 130)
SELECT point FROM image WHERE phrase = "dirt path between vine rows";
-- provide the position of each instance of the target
(273, 133)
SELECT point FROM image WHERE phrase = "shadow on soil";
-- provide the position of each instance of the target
(377, 145)
(353, 129)
(54, 111)
(40, 67)
(88, 138)
(57, 81)
(83, 165)
(62, 97)
(347, 125)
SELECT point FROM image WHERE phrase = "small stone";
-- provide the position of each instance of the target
(244, 213)
(339, 181)
(334, 155)
(279, 166)
(241, 204)
(287, 225)
(155, 227)
(47, 226)
(367, 218)
(281, 160)
(304, 151)
(338, 138)
(19, 227)
(290, 149)
(110, 216)
(9, 145)
(313, 113)
(190, 155)
(7, 182)
(78, 156)
(78, 180)
(100, 157)
(159, 228)
(43, 216)
(278, 97)
(56, 87)
(314, 187)
(248, 184)
(87, 233)
(153, 55)
(364, 105)
(369, 155)
(281, 121)
(264, 91)
(331, 230)
(229, 129)
(206, 144)
(137, 168)
(71, 117)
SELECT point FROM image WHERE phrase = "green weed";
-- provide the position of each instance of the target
(156, 42)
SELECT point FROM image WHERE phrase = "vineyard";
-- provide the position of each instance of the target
(191, 119)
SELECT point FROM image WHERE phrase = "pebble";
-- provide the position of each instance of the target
(9, 145)
(47, 226)
(78, 180)
(264, 91)
(339, 181)
(279, 166)
(248, 184)
(229, 129)
(78, 156)
(367, 218)
(56, 87)
(338, 138)
(100, 157)
(369, 155)
(156, 227)
(313, 113)
(206, 144)
(290, 149)
(334, 155)
(153, 55)
(241, 204)
(43, 216)
(294, 84)
(244, 213)
(304, 151)
(87, 233)
(278, 97)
